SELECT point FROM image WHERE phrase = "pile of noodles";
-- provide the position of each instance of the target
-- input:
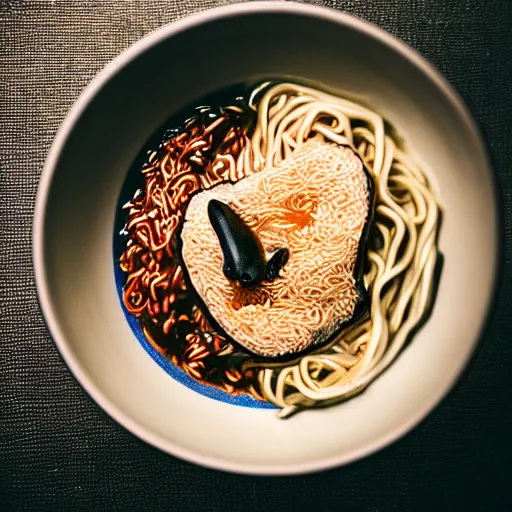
(401, 256)
(191, 158)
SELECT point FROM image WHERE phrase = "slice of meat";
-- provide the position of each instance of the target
(316, 204)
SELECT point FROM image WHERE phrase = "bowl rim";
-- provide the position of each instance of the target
(51, 315)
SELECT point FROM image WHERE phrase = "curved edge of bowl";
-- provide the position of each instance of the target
(50, 165)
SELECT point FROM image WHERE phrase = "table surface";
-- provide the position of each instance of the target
(58, 450)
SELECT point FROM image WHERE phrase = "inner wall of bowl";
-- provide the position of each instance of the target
(80, 216)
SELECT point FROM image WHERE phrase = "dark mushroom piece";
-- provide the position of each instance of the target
(245, 259)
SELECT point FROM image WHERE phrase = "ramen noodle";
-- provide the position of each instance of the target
(282, 247)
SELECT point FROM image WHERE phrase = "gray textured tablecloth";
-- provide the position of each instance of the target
(58, 450)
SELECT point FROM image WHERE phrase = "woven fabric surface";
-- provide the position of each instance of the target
(59, 451)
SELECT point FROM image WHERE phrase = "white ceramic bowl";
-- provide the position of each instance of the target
(107, 127)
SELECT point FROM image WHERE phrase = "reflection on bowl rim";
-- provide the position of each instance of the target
(369, 30)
